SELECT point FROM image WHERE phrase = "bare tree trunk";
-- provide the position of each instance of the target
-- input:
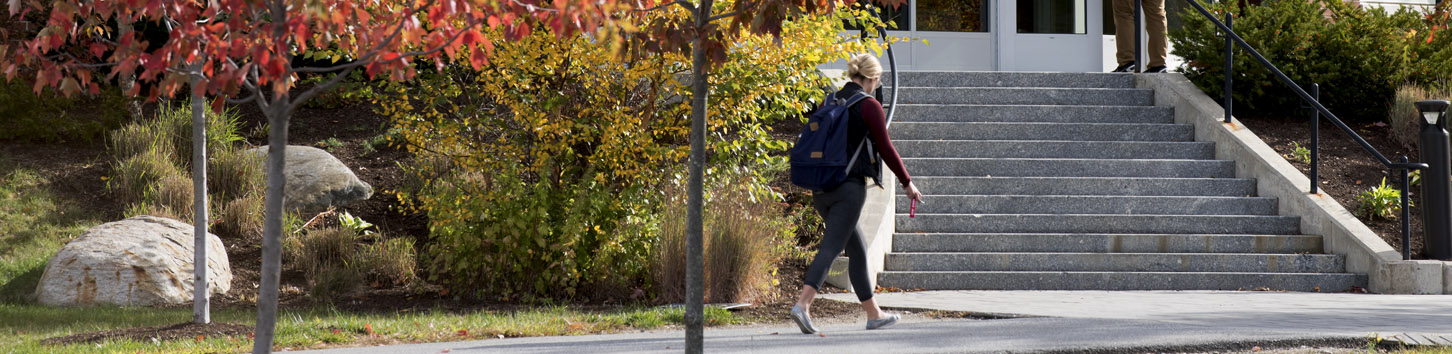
(278, 112)
(695, 269)
(278, 116)
(201, 296)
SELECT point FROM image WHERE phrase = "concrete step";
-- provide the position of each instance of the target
(1227, 187)
(1081, 204)
(1323, 282)
(974, 167)
(1030, 96)
(1105, 243)
(1011, 79)
(1022, 149)
(1027, 113)
(1100, 224)
(1116, 262)
(1043, 131)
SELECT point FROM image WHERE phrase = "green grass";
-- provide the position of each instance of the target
(34, 224)
(23, 326)
(1440, 350)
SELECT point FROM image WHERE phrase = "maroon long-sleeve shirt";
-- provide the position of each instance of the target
(876, 121)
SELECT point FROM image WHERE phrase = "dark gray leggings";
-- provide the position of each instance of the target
(840, 209)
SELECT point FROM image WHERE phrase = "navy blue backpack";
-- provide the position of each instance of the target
(819, 159)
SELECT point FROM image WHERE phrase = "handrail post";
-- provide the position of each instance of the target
(1139, 61)
(1316, 139)
(1406, 213)
(1229, 65)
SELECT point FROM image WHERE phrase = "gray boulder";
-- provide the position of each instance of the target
(316, 180)
(141, 261)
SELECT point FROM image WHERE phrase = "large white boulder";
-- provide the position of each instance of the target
(316, 180)
(141, 261)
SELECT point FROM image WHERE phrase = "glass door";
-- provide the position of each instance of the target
(1050, 35)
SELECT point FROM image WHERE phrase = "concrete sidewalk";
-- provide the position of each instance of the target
(1050, 321)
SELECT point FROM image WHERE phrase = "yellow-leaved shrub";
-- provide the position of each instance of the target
(541, 173)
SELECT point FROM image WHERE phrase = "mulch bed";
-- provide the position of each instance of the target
(1346, 169)
(159, 333)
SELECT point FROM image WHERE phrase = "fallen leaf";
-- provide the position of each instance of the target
(775, 333)
(463, 333)
(823, 335)
(1256, 349)
(337, 331)
(446, 351)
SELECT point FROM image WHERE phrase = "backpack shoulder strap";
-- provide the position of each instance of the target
(860, 95)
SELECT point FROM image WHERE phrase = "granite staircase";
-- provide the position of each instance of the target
(1076, 181)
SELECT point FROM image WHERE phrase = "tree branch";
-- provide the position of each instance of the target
(366, 58)
(364, 61)
(315, 90)
(261, 98)
(683, 3)
(532, 8)
(721, 16)
(77, 61)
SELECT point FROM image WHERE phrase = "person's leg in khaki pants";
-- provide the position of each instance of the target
(1154, 17)
(1154, 23)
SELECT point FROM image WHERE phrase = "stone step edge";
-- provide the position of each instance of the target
(1057, 272)
(1083, 234)
(1123, 254)
(1059, 159)
(901, 215)
(1128, 89)
(1081, 196)
(1108, 125)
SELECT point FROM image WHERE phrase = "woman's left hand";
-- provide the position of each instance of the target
(913, 193)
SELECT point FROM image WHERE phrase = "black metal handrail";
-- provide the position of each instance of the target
(1314, 103)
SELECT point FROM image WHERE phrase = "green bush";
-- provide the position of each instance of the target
(1357, 54)
(531, 240)
(1431, 52)
(51, 117)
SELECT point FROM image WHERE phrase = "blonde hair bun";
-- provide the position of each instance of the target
(863, 66)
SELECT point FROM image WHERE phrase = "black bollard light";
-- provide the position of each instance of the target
(1436, 180)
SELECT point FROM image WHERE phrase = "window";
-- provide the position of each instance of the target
(953, 15)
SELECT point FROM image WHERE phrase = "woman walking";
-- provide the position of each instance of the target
(840, 207)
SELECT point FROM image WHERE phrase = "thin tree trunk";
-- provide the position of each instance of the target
(272, 225)
(279, 112)
(201, 296)
(695, 269)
